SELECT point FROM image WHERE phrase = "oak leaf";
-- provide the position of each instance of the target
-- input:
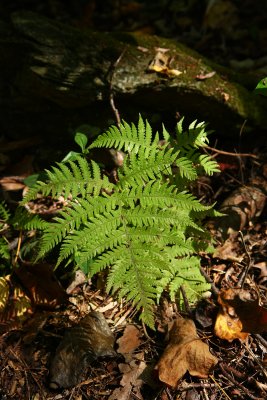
(184, 352)
(239, 315)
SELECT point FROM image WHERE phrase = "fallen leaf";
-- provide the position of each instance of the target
(11, 183)
(42, 285)
(225, 96)
(130, 382)
(202, 77)
(228, 250)
(129, 341)
(161, 64)
(184, 352)
(78, 279)
(262, 267)
(204, 313)
(239, 315)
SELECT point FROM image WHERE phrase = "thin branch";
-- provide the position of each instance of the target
(111, 96)
(231, 154)
(243, 276)
(237, 384)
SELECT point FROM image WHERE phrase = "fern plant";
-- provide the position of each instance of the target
(10, 225)
(4, 217)
(145, 228)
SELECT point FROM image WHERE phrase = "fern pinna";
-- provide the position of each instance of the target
(145, 229)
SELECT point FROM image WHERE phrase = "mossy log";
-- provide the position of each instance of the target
(54, 76)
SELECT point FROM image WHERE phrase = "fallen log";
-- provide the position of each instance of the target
(55, 77)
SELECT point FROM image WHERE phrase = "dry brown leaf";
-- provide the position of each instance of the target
(239, 315)
(42, 285)
(130, 382)
(129, 341)
(262, 267)
(228, 250)
(10, 183)
(202, 77)
(161, 64)
(184, 352)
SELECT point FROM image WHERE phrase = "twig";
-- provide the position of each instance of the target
(166, 390)
(18, 247)
(243, 276)
(111, 96)
(235, 383)
(260, 339)
(242, 128)
(26, 369)
(185, 299)
(230, 153)
(255, 359)
(219, 387)
(114, 108)
(146, 334)
(205, 394)
(201, 385)
(209, 280)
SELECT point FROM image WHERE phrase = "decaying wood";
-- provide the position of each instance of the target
(53, 76)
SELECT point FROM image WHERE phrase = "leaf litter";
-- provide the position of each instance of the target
(145, 366)
(184, 352)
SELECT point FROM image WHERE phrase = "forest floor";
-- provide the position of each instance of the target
(26, 350)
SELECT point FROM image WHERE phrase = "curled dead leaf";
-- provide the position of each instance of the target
(131, 381)
(129, 341)
(239, 315)
(184, 352)
(161, 64)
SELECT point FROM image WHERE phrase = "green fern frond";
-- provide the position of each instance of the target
(146, 166)
(4, 249)
(136, 277)
(127, 137)
(4, 212)
(25, 220)
(102, 233)
(196, 136)
(209, 166)
(186, 272)
(73, 178)
(186, 168)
